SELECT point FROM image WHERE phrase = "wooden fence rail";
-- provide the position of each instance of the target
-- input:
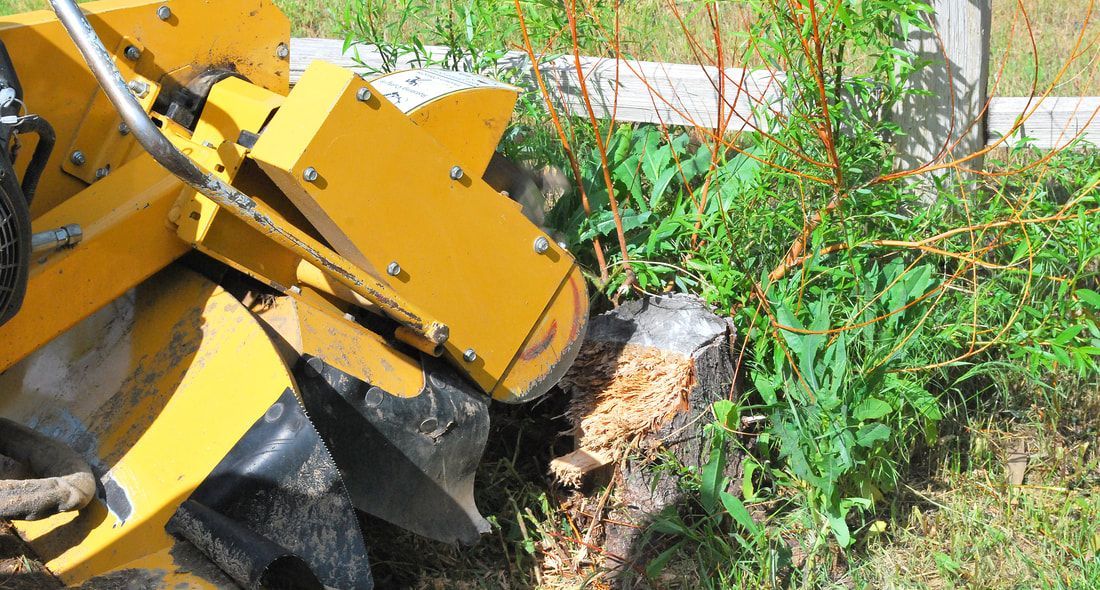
(685, 94)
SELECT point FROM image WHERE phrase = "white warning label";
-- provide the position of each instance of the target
(411, 89)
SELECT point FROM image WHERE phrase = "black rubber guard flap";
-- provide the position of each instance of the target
(275, 513)
(409, 461)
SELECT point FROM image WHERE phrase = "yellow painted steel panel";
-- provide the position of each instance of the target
(200, 34)
(465, 112)
(384, 193)
(126, 239)
(157, 388)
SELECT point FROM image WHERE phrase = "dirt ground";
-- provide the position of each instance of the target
(19, 568)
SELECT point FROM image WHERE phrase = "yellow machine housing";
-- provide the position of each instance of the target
(381, 283)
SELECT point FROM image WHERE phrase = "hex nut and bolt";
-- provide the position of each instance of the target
(123, 129)
(393, 269)
(310, 174)
(457, 173)
(363, 95)
(164, 13)
(542, 245)
(470, 355)
(282, 51)
(139, 88)
(78, 158)
(102, 173)
(132, 53)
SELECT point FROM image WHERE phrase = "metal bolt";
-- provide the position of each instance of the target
(78, 158)
(429, 425)
(123, 129)
(164, 13)
(208, 144)
(310, 174)
(541, 245)
(349, 317)
(457, 173)
(316, 364)
(470, 355)
(393, 269)
(132, 53)
(295, 289)
(101, 173)
(363, 95)
(139, 88)
(563, 246)
(282, 51)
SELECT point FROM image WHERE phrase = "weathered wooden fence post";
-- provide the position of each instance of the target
(945, 125)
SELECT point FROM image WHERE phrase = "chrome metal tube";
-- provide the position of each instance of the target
(254, 214)
(52, 240)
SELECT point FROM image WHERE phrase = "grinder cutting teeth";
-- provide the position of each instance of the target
(252, 311)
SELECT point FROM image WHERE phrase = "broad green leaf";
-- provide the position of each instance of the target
(840, 530)
(1090, 297)
(736, 509)
(713, 477)
(872, 408)
(869, 434)
(728, 414)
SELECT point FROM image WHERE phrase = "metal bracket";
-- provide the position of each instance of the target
(102, 142)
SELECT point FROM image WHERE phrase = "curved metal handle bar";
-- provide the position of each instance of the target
(253, 213)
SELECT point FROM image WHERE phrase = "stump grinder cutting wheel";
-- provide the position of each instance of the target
(234, 314)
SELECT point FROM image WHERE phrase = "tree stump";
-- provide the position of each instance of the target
(642, 390)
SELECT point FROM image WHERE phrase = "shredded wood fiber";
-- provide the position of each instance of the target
(621, 392)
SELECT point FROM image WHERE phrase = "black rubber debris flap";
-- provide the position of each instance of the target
(275, 513)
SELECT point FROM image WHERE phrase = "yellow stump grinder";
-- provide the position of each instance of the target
(234, 314)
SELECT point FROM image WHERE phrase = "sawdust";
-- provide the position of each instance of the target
(622, 392)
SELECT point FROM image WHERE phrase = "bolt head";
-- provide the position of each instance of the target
(132, 53)
(310, 174)
(102, 172)
(363, 94)
(429, 425)
(457, 173)
(123, 129)
(78, 158)
(139, 88)
(164, 13)
(542, 245)
(470, 355)
(393, 269)
(282, 51)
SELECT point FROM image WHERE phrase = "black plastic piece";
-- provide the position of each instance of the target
(276, 495)
(409, 461)
(250, 559)
(15, 222)
(46, 140)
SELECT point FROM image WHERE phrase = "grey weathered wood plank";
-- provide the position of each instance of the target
(684, 94)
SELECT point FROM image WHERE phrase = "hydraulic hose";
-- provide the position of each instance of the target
(46, 140)
(255, 214)
(62, 480)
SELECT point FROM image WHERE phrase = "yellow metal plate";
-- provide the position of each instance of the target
(384, 194)
(126, 240)
(465, 112)
(155, 375)
(201, 33)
